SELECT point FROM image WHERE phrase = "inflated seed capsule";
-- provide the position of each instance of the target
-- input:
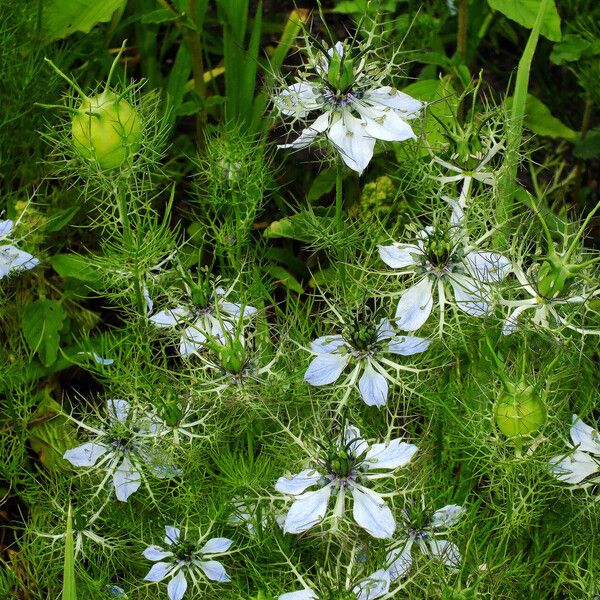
(519, 411)
(107, 129)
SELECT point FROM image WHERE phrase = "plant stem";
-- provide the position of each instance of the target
(339, 195)
(195, 46)
(585, 126)
(461, 36)
(507, 182)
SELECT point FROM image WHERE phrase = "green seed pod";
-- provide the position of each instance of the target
(106, 129)
(519, 411)
(233, 356)
(554, 276)
(340, 73)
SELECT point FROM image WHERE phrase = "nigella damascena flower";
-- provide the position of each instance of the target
(439, 256)
(583, 459)
(356, 109)
(372, 587)
(184, 558)
(426, 539)
(11, 258)
(125, 448)
(347, 467)
(363, 343)
(543, 310)
(205, 317)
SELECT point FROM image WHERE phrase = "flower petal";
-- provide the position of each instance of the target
(415, 305)
(470, 296)
(85, 455)
(399, 256)
(353, 441)
(298, 100)
(156, 553)
(234, 310)
(585, 437)
(307, 511)
(400, 560)
(118, 410)
(126, 479)
(309, 134)
(387, 96)
(214, 570)
(326, 368)
(390, 456)
(216, 546)
(159, 571)
(13, 259)
(170, 318)
(407, 345)
(384, 124)
(173, 534)
(327, 344)
(296, 484)
(177, 586)
(511, 322)
(372, 513)
(487, 267)
(374, 586)
(446, 551)
(6, 227)
(373, 387)
(447, 516)
(354, 144)
(574, 468)
(305, 594)
(192, 340)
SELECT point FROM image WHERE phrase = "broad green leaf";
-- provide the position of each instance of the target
(75, 266)
(42, 322)
(524, 12)
(285, 278)
(539, 119)
(305, 226)
(60, 218)
(570, 49)
(322, 184)
(61, 18)
(588, 147)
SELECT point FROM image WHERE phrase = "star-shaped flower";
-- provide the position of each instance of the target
(425, 538)
(443, 256)
(186, 559)
(583, 459)
(363, 344)
(348, 466)
(124, 449)
(213, 320)
(356, 110)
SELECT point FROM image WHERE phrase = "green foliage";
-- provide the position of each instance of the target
(42, 322)
(524, 12)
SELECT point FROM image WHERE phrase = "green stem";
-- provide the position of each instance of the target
(461, 36)
(585, 126)
(507, 183)
(339, 195)
(195, 46)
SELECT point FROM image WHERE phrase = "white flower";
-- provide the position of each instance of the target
(214, 321)
(355, 109)
(349, 465)
(363, 344)
(442, 256)
(184, 558)
(583, 460)
(478, 173)
(11, 258)
(545, 313)
(400, 559)
(123, 449)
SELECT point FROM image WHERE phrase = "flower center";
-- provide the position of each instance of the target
(185, 550)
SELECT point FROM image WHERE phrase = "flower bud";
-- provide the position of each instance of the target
(519, 411)
(106, 129)
(233, 356)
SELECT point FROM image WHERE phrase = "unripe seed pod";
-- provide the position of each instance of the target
(519, 411)
(106, 129)
(340, 73)
(233, 356)
(554, 276)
